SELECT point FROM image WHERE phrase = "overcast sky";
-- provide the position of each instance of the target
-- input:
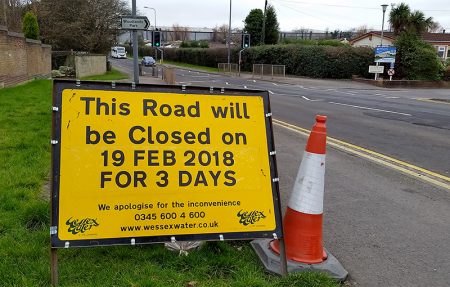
(292, 14)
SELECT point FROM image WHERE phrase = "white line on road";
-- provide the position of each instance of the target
(270, 92)
(245, 87)
(254, 81)
(392, 97)
(275, 84)
(372, 109)
(310, 99)
(226, 83)
(347, 93)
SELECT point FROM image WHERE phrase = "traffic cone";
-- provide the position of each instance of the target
(303, 219)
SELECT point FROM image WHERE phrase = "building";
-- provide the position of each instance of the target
(441, 41)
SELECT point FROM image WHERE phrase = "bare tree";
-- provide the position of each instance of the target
(179, 33)
(86, 25)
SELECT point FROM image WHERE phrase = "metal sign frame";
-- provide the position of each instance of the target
(60, 85)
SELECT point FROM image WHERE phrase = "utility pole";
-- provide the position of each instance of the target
(229, 39)
(263, 36)
(135, 46)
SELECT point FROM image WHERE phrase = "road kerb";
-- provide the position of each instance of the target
(404, 167)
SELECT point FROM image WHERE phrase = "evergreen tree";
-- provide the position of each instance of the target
(253, 25)
(272, 26)
(30, 26)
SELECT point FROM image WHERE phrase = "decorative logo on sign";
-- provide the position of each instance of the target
(81, 225)
(251, 217)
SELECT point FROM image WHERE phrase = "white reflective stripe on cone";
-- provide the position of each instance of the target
(307, 195)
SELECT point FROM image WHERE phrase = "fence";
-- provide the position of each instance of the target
(231, 69)
(261, 70)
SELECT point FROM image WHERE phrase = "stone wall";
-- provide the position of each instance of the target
(89, 65)
(22, 59)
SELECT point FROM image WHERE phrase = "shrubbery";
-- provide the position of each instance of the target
(313, 61)
(194, 44)
(416, 59)
(316, 61)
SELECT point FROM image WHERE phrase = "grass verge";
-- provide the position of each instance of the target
(25, 129)
(190, 66)
(108, 76)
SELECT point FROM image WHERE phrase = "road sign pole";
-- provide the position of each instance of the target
(135, 47)
(240, 56)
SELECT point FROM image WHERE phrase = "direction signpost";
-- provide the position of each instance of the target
(134, 22)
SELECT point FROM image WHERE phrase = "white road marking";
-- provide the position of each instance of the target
(274, 84)
(372, 109)
(226, 83)
(254, 81)
(245, 87)
(310, 99)
(270, 92)
(392, 97)
(347, 93)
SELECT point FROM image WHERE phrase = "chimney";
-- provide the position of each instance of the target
(443, 31)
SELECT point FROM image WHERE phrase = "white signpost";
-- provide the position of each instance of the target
(376, 69)
(135, 23)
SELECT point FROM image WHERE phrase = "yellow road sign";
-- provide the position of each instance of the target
(149, 165)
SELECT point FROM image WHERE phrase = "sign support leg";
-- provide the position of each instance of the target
(54, 266)
(283, 260)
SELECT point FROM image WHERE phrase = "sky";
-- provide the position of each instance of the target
(292, 14)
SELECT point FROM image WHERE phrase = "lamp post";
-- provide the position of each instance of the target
(154, 24)
(384, 7)
(154, 10)
(229, 39)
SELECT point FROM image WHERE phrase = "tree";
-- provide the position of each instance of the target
(272, 26)
(85, 25)
(30, 26)
(415, 59)
(253, 25)
(402, 19)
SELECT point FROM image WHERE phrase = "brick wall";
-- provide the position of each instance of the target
(22, 59)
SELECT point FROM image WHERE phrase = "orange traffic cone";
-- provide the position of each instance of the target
(303, 219)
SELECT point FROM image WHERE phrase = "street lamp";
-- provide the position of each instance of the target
(384, 7)
(154, 10)
(229, 39)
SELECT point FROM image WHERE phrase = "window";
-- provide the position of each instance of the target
(441, 51)
(448, 52)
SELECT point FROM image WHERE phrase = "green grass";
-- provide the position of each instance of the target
(108, 76)
(190, 66)
(25, 132)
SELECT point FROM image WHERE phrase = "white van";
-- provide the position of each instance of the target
(118, 52)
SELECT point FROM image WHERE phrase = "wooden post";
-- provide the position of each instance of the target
(54, 266)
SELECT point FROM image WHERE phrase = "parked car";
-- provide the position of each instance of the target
(148, 61)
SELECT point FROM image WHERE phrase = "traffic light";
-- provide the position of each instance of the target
(245, 41)
(156, 38)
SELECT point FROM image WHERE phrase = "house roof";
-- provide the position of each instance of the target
(428, 37)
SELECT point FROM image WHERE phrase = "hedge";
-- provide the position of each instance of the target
(311, 61)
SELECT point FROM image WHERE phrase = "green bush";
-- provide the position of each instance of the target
(313, 61)
(416, 59)
(194, 44)
(317, 61)
(30, 26)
